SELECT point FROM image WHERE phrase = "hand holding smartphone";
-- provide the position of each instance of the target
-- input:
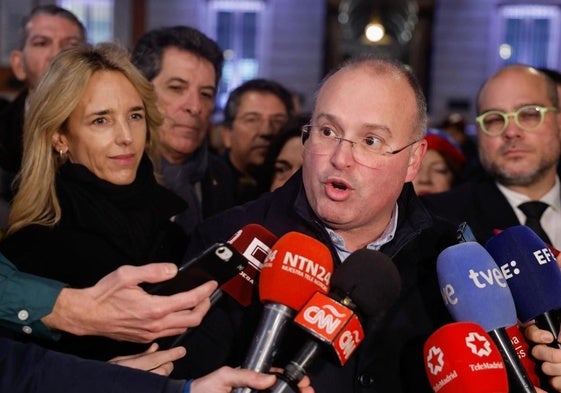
(220, 263)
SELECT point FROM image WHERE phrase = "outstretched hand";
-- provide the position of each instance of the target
(226, 378)
(157, 362)
(118, 308)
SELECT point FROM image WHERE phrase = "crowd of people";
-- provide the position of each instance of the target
(107, 168)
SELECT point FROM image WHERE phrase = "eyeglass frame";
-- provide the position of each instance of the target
(308, 127)
(505, 115)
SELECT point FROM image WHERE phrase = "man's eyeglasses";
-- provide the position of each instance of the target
(528, 118)
(324, 140)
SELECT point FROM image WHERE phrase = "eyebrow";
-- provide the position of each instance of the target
(46, 37)
(185, 82)
(138, 108)
(285, 162)
(516, 107)
(368, 126)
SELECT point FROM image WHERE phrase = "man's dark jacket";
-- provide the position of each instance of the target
(28, 368)
(389, 359)
(11, 134)
(481, 204)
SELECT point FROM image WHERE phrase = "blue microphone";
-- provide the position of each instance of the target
(532, 274)
(475, 290)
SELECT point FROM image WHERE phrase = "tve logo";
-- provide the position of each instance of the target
(480, 279)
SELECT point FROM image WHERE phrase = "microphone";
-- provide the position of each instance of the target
(366, 285)
(475, 290)
(297, 267)
(254, 242)
(532, 274)
(461, 357)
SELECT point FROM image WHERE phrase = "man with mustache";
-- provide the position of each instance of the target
(185, 66)
(255, 112)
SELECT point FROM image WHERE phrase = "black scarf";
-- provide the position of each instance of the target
(130, 216)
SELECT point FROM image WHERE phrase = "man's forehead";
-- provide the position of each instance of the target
(514, 86)
(45, 24)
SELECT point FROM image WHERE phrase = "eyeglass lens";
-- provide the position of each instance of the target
(526, 118)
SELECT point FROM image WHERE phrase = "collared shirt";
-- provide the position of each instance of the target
(25, 299)
(551, 218)
(384, 238)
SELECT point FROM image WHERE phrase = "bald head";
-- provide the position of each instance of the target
(512, 74)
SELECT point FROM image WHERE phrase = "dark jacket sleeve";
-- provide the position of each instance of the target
(27, 368)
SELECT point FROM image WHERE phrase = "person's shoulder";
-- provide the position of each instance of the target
(14, 108)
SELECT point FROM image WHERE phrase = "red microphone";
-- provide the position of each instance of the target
(333, 324)
(365, 286)
(522, 349)
(296, 268)
(462, 358)
(254, 242)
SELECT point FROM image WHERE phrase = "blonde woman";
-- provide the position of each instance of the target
(87, 199)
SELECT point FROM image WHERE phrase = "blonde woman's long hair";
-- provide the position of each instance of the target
(59, 91)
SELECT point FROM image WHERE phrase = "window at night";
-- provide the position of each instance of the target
(530, 34)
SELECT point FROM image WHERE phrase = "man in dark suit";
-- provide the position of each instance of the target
(185, 67)
(519, 140)
(519, 145)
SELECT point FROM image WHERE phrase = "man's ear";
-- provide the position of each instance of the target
(16, 63)
(415, 159)
(226, 136)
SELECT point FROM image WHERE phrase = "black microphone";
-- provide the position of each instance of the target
(366, 285)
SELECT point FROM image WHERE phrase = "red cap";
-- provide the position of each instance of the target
(297, 267)
(462, 358)
(441, 142)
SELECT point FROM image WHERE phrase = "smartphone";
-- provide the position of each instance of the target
(464, 233)
(220, 262)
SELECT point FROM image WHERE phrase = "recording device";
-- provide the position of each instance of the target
(475, 290)
(220, 262)
(464, 233)
(532, 274)
(254, 242)
(297, 267)
(461, 357)
(364, 287)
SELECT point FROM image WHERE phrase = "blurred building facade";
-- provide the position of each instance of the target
(452, 45)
